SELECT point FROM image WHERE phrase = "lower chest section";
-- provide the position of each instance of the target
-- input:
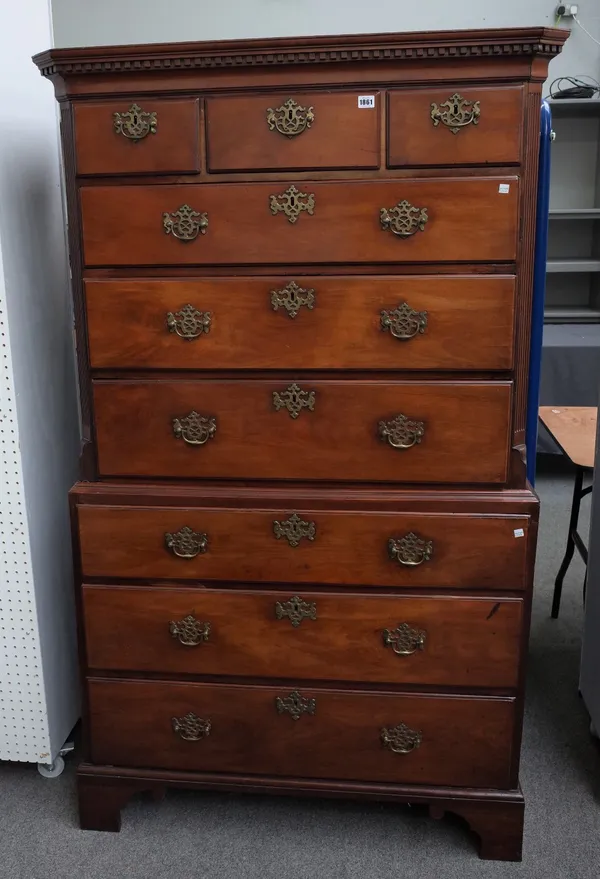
(363, 636)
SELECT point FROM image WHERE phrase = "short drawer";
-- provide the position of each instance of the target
(428, 432)
(392, 221)
(285, 131)
(470, 642)
(282, 322)
(144, 136)
(305, 544)
(302, 732)
(467, 126)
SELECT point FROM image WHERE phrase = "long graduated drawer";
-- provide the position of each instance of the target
(344, 429)
(289, 731)
(462, 642)
(470, 219)
(303, 322)
(451, 548)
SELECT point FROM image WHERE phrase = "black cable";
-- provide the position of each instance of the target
(577, 87)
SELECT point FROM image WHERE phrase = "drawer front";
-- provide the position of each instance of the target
(306, 545)
(466, 126)
(445, 740)
(470, 642)
(322, 430)
(446, 220)
(146, 136)
(302, 323)
(292, 131)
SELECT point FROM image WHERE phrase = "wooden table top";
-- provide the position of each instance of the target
(574, 429)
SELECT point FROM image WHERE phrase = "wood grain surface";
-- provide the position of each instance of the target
(469, 551)
(465, 435)
(494, 139)
(174, 148)
(467, 642)
(342, 135)
(574, 429)
(470, 323)
(468, 221)
(465, 740)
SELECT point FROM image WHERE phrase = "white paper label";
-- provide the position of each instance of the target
(366, 102)
(504, 188)
(519, 532)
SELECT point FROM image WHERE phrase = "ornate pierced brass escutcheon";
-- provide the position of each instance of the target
(195, 429)
(296, 610)
(290, 119)
(401, 739)
(404, 219)
(185, 223)
(294, 529)
(410, 550)
(292, 298)
(135, 123)
(186, 544)
(296, 705)
(294, 399)
(191, 727)
(188, 322)
(189, 631)
(404, 322)
(455, 113)
(401, 432)
(292, 202)
(404, 640)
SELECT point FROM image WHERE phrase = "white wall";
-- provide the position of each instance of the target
(104, 22)
(40, 416)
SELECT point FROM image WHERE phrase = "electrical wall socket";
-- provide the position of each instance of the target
(566, 10)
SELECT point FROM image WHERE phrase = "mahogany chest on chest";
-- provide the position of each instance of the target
(304, 541)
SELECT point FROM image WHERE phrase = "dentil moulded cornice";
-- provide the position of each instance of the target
(369, 48)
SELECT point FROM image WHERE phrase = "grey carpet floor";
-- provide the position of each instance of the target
(214, 836)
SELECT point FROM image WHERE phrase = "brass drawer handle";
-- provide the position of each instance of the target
(401, 432)
(135, 123)
(294, 529)
(186, 544)
(404, 219)
(292, 298)
(191, 728)
(295, 704)
(294, 399)
(292, 202)
(296, 610)
(404, 322)
(401, 739)
(410, 550)
(290, 119)
(404, 640)
(455, 113)
(185, 223)
(195, 429)
(189, 631)
(189, 323)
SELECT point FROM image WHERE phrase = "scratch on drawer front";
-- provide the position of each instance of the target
(495, 608)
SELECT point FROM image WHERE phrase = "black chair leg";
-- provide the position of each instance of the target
(570, 550)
